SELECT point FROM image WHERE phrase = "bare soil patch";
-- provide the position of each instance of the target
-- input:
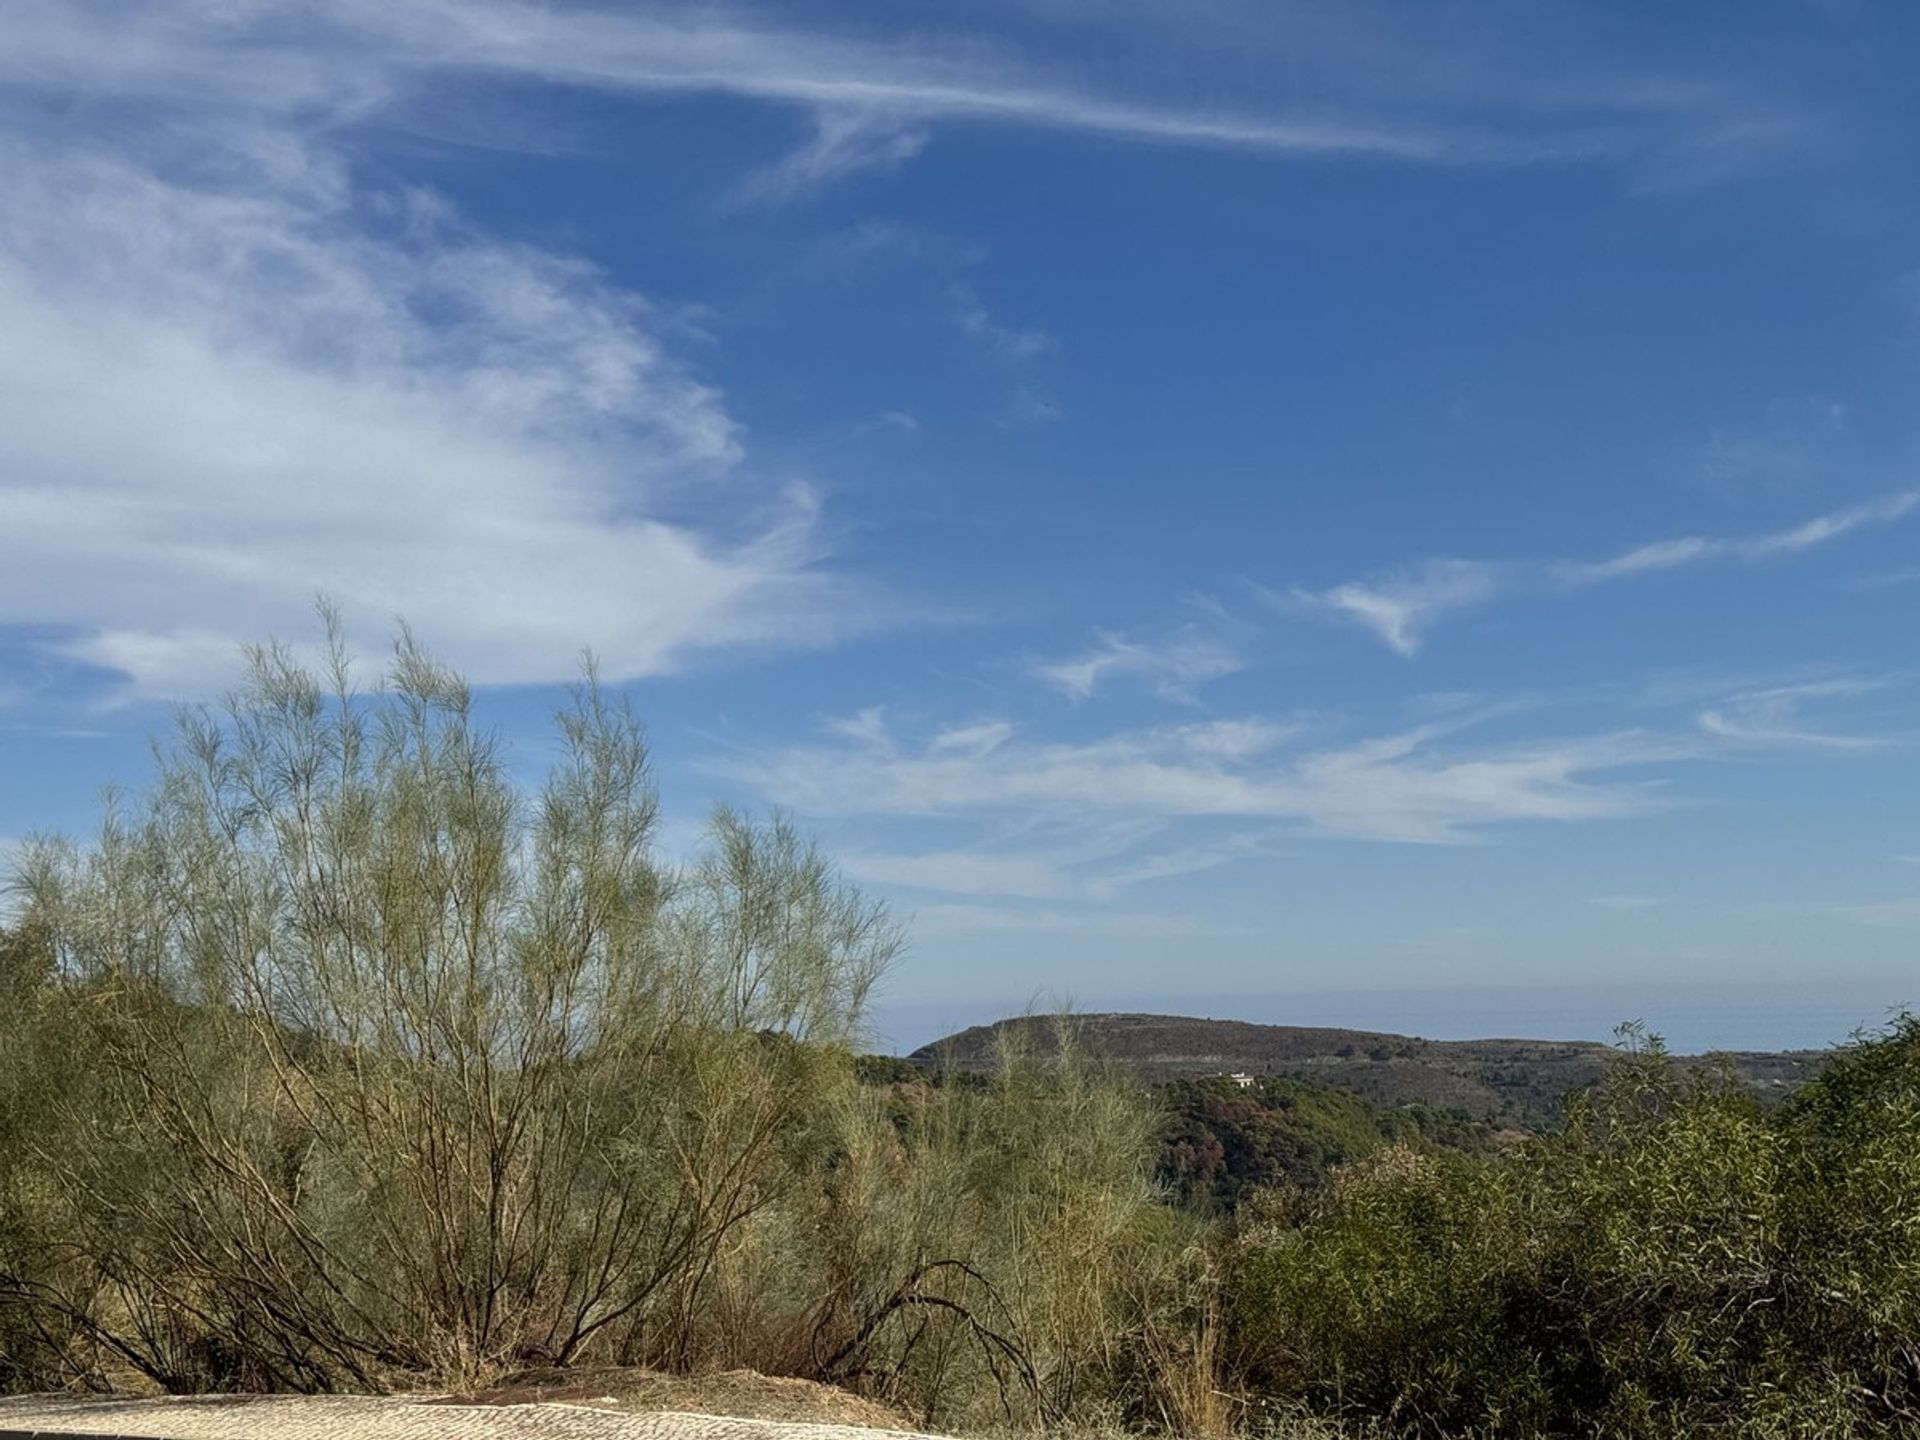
(745, 1394)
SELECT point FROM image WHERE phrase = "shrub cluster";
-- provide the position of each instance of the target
(345, 1062)
(1224, 1144)
(1672, 1261)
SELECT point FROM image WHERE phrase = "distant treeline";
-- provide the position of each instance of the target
(341, 1061)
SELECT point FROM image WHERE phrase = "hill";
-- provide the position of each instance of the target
(1499, 1081)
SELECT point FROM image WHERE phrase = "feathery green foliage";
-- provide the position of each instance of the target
(344, 1062)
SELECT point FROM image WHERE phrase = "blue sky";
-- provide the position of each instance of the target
(1202, 506)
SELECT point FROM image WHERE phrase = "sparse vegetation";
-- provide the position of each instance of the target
(343, 1062)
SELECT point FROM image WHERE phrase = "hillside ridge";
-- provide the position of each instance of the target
(1514, 1080)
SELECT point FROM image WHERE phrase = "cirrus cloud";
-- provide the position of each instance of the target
(1402, 606)
(220, 394)
(1404, 786)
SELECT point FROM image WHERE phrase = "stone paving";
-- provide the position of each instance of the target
(329, 1417)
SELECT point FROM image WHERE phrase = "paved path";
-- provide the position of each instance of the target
(330, 1417)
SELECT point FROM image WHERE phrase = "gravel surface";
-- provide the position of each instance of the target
(328, 1417)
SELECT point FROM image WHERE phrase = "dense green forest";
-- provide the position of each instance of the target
(342, 1061)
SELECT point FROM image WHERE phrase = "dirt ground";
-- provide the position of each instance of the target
(550, 1405)
(745, 1394)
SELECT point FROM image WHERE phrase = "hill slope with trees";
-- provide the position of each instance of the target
(1520, 1083)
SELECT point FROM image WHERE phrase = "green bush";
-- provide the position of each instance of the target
(1671, 1262)
(1224, 1144)
(343, 1062)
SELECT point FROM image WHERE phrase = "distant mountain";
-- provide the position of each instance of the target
(1512, 1082)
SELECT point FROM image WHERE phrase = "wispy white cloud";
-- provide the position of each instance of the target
(1240, 738)
(1772, 717)
(1010, 343)
(981, 737)
(219, 398)
(1402, 607)
(1744, 549)
(1015, 347)
(1096, 867)
(1400, 787)
(866, 728)
(1172, 669)
(1064, 833)
(1177, 863)
(362, 56)
(1375, 97)
(1033, 875)
(901, 420)
(843, 143)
